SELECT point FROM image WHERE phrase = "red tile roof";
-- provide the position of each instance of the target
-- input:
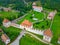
(4, 37)
(51, 13)
(5, 20)
(48, 32)
(26, 23)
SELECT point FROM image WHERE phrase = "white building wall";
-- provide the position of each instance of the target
(35, 31)
(46, 38)
(7, 41)
(38, 9)
(7, 24)
(25, 27)
(32, 30)
(49, 17)
(51, 13)
(21, 27)
(28, 29)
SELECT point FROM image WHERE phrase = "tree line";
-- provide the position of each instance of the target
(52, 4)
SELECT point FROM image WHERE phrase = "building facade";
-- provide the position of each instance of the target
(6, 23)
(47, 35)
(5, 39)
(26, 24)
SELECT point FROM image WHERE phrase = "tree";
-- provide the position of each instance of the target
(52, 4)
(1, 20)
(43, 27)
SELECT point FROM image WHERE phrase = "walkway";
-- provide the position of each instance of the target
(16, 42)
(14, 21)
(37, 21)
(53, 19)
(41, 19)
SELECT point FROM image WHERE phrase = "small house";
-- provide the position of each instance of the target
(37, 8)
(5, 39)
(47, 35)
(6, 23)
(26, 24)
(51, 14)
(7, 9)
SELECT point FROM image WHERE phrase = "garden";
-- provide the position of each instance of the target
(32, 17)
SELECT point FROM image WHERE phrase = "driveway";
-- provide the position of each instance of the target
(16, 42)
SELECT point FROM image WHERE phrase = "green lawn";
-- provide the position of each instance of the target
(28, 40)
(45, 24)
(12, 32)
(40, 36)
(29, 16)
(56, 28)
(10, 15)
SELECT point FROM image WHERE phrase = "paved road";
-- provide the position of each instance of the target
(16, 42)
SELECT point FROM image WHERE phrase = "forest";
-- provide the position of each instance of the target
(51, 4)
(25, 5)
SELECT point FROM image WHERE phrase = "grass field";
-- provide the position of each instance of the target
(28, 40)
(56, 29)
(10, 15)
(45, 24)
